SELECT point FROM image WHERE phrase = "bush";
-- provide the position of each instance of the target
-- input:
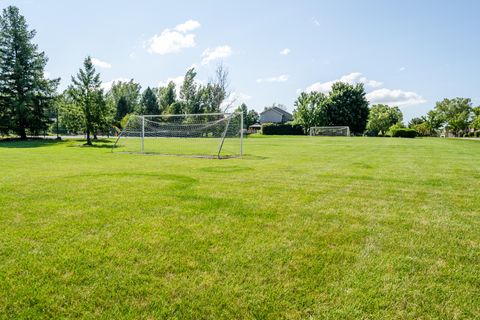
(477, 134)
(282, 129)
(403, 132)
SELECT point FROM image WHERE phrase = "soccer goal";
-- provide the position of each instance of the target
(330, 131)
(213, 135)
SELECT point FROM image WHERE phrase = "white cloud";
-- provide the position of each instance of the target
(132, 55)
(316, 22)
(101, 64)
(280, 78)
(352, 78)
(217, 53)
(171, 41)
(402, 69)
(177, 80)
(394, 97)
(285, 51)
(108, 85)
(187, 26)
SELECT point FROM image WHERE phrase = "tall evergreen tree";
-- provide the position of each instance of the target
(87, 93)
(149, 104)
(122, 108)
(25, 94)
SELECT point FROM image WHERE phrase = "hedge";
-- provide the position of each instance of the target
(403, 132)
(282, 129)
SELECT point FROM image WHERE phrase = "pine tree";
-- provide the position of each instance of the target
(25, 94)
(149, 104)
(122, 108)
(87, 93)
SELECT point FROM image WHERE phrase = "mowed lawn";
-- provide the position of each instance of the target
(302, 227)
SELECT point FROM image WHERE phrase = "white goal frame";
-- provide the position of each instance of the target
(227, 119)
(315, 130)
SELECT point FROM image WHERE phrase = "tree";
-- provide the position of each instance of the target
(87, 93)
(71, 116)
(476, 118)
(347, 106)
(381, 117)
(310, 110)
(25, 94)
(197, 98)
(455, 113)
(415, 121)
(433, 122)
(249, 116)
(188, 92)
(175, 108)
(130, 91)
(220, 90)
(149, 104)
(166, 96)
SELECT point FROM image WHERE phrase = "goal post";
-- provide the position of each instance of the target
(213, 135)
(330, 131)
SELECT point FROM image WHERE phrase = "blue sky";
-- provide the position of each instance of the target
(408, 53)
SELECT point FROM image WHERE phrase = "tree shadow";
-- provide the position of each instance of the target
(99, 143)
(16, 143)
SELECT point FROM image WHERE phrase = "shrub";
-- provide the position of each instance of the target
(282, 129)
(399, 130)
(477, 134)
(404, 133)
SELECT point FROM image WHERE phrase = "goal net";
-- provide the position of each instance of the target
(330, 131)
(214, 135)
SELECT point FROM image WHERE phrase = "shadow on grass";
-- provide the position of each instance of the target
(16, 143)
(100, 143)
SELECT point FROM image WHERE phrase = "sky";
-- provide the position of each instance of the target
(407, 53)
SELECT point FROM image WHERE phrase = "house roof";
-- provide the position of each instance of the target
(278, 110)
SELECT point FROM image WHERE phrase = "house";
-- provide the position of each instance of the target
(275, 115)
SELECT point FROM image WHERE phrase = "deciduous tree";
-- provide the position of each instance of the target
(310, 110)
(455, 113)
(381, 117)
(347, 106)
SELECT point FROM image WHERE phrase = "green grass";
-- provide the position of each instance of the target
(302, 227)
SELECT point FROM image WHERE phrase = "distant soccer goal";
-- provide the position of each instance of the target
(339, 131)
(213, 135)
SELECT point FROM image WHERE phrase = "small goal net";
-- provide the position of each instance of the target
(338, 131)
(214, 135)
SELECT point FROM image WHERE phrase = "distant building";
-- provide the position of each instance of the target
(254, 128)
(275, 115)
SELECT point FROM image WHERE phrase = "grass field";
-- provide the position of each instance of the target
(302, 227)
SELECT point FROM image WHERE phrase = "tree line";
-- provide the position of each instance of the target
(346, 105)
(29, 100)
